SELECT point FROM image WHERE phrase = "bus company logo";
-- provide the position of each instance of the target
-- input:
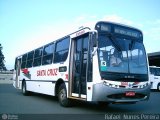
(26, 73)
(129, 84)
(48, 72)
(124, 83)
(80, 33)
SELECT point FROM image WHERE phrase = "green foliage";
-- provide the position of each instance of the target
(2, 65)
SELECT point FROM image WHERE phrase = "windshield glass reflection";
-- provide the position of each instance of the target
(121, 55)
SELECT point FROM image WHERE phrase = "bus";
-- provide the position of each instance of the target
(155, 77)
(107, 64)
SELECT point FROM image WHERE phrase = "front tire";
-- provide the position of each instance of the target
(62, 96)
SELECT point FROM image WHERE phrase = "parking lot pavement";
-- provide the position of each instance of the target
(6, 81)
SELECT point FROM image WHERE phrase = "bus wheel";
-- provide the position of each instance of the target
(62, 96)
(24, 91)
(158, 87)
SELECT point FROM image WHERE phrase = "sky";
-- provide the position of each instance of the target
(29, 24)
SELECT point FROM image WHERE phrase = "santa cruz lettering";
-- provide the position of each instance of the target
(48, 72)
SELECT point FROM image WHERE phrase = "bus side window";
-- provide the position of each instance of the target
(152, 71)
(48, 54)
(30, 59)
(157, 72)
(24, 58)
(38, 57)
(61, 51)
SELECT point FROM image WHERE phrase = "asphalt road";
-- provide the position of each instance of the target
(13, 102)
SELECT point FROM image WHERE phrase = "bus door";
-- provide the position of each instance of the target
(79, 67)
(18, 68)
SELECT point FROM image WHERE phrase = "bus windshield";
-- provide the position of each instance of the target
(121, 55)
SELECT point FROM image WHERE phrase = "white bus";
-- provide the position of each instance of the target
(155, 77)
(107, 64)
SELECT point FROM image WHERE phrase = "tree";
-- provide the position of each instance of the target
(2, 65)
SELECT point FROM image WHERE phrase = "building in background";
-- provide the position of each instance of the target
(154, 59)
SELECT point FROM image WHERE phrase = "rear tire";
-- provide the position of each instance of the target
(24, 91)
(62, 96)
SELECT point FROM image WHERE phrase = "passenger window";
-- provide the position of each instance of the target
(38, 52)
(157, 72)
(30, 59)
(24, 58)
(38, 57)
(61, 52)
(48, 54)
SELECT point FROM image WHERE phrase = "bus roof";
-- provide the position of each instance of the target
(118, 24)
(71, 34)
(78, 32)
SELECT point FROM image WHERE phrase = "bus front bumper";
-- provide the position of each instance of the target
(105, 93)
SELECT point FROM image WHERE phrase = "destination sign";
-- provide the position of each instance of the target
(106, 28)
(127, 32)
(118, 29)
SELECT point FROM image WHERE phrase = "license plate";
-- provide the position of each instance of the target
(130, 93)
